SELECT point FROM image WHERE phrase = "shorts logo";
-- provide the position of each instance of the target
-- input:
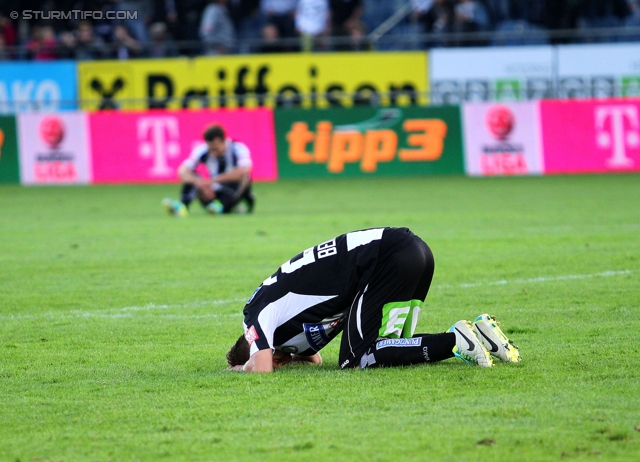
(251, 335)
(399, 342)
(316, 335)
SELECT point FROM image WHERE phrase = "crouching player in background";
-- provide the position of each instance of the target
(370, 285)
(228, 188)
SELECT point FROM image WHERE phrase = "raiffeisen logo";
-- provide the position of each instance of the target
(51, 131)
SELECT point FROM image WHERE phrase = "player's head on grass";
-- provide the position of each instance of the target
(238, 354)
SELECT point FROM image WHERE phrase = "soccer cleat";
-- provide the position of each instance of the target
(494, 340)
(215, 207)
(468, 347)
(175, 208)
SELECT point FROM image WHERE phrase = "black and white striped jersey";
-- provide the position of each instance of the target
(303, 305)
(236, 154)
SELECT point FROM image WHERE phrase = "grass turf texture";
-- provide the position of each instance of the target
(115, 318)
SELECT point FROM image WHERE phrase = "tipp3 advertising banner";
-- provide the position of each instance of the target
(369, 141)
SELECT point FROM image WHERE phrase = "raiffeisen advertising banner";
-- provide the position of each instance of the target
(35, 86)
(148, 147)
(491, 74)
(502, 139)
(369, 141)
(307, 80)
(54, 148)
(595, 136)
(599, 70)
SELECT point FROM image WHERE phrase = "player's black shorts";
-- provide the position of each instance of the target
(389, 305)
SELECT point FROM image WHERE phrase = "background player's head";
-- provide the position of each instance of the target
(238, 354)
(215, 137)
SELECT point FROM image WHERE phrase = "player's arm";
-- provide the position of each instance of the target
(232, 176)
(260, 361)
(315, 359)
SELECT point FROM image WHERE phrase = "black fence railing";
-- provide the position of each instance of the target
(391, 41)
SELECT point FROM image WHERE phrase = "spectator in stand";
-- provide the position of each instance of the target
(169, 13)
(7, 31)
(470, 16)
(435, 18)
(43, 44)
(312, 21)
(281, 14)
(271, 39)
(67, 45)
(88, 45)
(592, 14)
(124, 45)
(216, 29)
(139, 15)
(248, 22)
(4, 52)
(161, 45)
(345, 15)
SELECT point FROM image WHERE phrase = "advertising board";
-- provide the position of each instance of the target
(369, 141)
(148, 146)
(54, 148)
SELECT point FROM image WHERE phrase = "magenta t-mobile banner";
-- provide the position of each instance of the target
(148, 147)
(591, 136)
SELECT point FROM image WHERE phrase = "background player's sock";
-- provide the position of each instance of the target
(421, 348)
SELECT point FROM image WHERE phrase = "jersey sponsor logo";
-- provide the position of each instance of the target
(251, 335)
(399, 342)
(316, 335)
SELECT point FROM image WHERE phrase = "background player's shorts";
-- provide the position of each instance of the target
(388, 307)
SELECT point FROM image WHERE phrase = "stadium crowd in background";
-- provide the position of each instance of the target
(166, 28)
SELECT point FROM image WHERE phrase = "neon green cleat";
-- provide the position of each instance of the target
(175, 208)
(468, 347)
(215, 207)
(494, 340)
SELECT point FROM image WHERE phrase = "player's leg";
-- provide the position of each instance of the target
(388, 310)
(231, 195)
(180, 208)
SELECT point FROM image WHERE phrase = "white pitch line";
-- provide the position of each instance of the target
(130, 311)
(502, 282)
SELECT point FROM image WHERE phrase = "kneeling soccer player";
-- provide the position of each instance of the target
(370, 285)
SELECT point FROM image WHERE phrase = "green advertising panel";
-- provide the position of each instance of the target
(369, 141)
(9, 170)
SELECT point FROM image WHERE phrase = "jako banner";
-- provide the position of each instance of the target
(367, 141)
(148, 147)
(9, 169)
(596, 136)
(54, 148)
(37, 86)
(502, 138)
(299, 80)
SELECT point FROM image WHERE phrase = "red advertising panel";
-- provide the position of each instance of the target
(148, 147)
(596, 136)
(54, 148)
(502, 139)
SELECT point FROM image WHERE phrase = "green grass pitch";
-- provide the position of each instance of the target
(115, 318)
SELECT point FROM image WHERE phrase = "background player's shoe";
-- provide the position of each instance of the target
(468, 347)
(215, 207)
(175, 208)
(494, 340)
